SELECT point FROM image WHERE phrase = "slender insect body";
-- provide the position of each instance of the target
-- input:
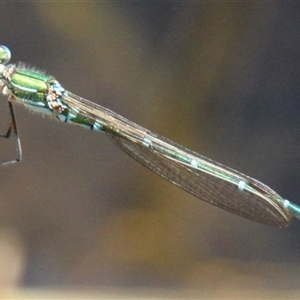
(202, 177)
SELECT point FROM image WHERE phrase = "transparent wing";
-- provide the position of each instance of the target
(196, 174)
(213, 190)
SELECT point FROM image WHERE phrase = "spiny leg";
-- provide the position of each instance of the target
(12, 127)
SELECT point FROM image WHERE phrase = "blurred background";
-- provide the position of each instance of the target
(219, 78)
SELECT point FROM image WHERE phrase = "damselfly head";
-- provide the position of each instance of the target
(5, 55)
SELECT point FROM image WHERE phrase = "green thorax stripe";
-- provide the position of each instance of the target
(30, 80)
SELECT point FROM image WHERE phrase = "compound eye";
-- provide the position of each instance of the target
(5, 55)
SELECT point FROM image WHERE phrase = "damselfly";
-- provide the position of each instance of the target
(202, 177)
